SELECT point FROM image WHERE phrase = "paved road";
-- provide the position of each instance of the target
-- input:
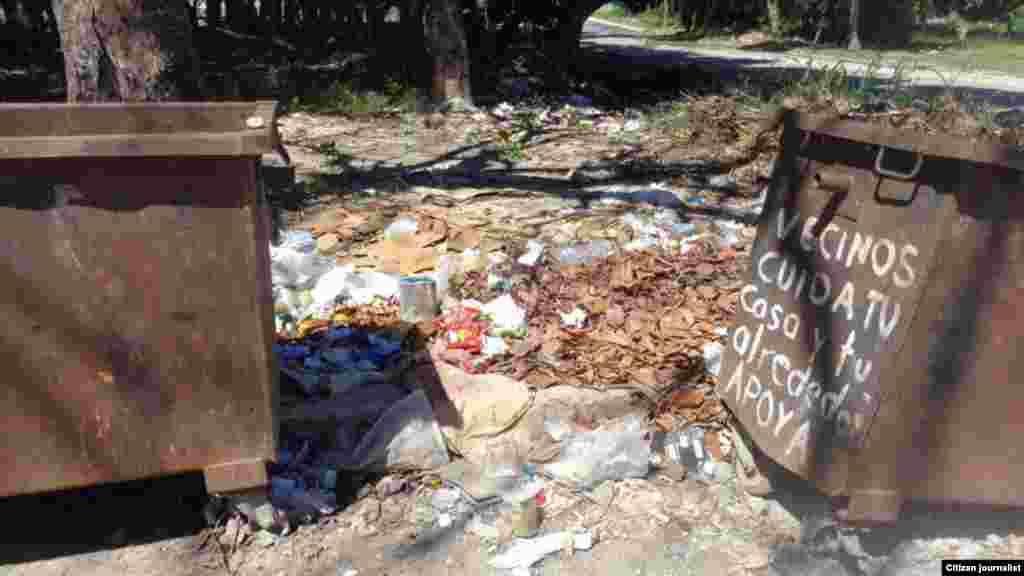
(997, 88)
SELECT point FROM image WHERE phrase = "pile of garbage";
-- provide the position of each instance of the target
(448, 348)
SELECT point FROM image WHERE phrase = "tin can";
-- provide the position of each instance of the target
(525, 518)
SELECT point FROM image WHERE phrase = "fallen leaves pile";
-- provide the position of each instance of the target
(648, 314)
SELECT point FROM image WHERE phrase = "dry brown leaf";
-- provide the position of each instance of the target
(541, 379)
(463, 239)
(615, 316)
(646, 376)
(686, 398)
(713, 444)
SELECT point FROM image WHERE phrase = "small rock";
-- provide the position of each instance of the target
(344, 568)
(1012, 118)
(327, 243)
(391, 512)
(679, 550)
(366, 530)
(369, 511)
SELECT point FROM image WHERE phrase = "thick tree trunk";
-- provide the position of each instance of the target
(449, 51)
(854, 25)
(127, 50)
(273, 16)
(213, 13)
(775, 16)
(889, 24)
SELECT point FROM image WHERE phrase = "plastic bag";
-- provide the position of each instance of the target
(404, 226)
(615, 451)
(295, 263)
(507, 317)
(406, 437)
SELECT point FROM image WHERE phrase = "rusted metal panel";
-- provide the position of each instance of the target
(138, 317)
(874, 348)
(150, 129)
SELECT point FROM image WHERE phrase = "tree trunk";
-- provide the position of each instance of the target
(775, 16)
(887, 25)
(273, 15)
(449, 51)
(127, 50)
(213, 13)
(854, 25)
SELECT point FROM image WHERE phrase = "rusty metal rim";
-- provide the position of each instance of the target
(136, 145)
(949, 146)
(136, 129)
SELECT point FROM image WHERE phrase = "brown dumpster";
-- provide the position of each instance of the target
(135, 295)
(877, 350)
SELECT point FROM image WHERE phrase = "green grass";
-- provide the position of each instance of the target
(346, 98)
(612, 11)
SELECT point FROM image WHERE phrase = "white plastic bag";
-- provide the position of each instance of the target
(615, 451)
(406, 437)
(508, 318)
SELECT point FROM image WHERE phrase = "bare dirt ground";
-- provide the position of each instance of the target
(558, 174)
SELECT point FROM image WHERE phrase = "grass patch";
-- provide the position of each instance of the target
(612, 10)
(348, 99)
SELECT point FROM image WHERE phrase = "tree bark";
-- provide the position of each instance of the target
(775, 16)
(449, 51)
(854, 25)
(127, 50)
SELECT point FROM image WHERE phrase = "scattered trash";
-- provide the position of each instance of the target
(389, 486)
(524, 553)
(584, 253)
(486, 404)
(404, 226)
(687, 448)
(614, 451)
(723, 182)
(576, 319)
(493, 346)
(713, 357)
(507, 317)
(503, 110)
(445, 499)
(534, 250)
(525, 501)
(406, 437)
(631, 125)
(417, 297)
(498, 282)
(729, 232)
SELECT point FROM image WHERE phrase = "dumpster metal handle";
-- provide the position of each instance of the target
(895, 174)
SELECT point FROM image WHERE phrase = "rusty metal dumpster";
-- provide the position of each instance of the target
(878, 349)
(135, 295)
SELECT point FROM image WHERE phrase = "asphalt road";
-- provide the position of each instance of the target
(998, 89)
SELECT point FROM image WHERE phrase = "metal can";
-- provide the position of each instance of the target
(525, 518)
